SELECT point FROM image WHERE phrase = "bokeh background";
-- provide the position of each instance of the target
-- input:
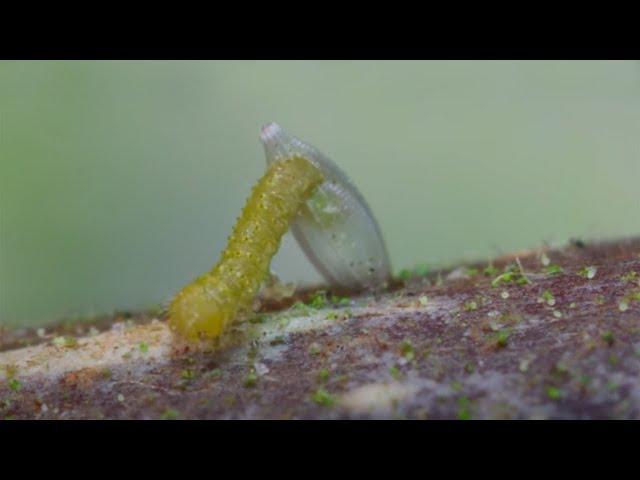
(120, 181)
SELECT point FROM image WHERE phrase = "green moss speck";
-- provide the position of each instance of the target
(513, 273)
(65, 341)
(548, 297)
(323, 375)
(630, 298)
(421, 270)
(213, 373)
(404, 274)
(608, 338)
(340, 301)
(554, 393)
(258, 319)
(395, 373)
(407, 351)
(324, 398)
(490, 271)
(14, 384)
(464, 408)
(502, 338)
(588, 272)
(250, 380)
(629, 277)
(318, 300)
(301, 309)
(143, 347)
(472, 272)
(554, 270)
(470, 306)
(170, 414)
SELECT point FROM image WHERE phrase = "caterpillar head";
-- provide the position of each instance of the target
(197, 312)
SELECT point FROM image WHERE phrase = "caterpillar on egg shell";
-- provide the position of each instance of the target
(203, 309)
(329, 218)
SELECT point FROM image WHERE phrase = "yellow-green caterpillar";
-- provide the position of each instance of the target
(203, 309)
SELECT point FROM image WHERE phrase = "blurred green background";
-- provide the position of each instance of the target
(120, 181)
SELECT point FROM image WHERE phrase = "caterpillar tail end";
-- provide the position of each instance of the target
(195, 315)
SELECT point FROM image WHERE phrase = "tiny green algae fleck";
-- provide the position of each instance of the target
(554, 270)
(608, 337)
(588, 272)
(65, 342)
(14, 384)
(324, 398)
(502, 338)
(314, 349)
(170, 414)
(554, 393)
(318, 300)
(323, 375)
(470, 305)
(548, 297)
(407, 351)
(250, 380)
(513, 273)
(464, 408)
(213, 373)
(629, 277)
(490, 271)
(395, 373)
(472, 272)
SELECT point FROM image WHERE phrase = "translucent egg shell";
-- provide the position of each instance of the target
(335, 227)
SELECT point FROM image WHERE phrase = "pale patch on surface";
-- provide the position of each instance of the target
(375, 397)
(117, 346)
(121, 344)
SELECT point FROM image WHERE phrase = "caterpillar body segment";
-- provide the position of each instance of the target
(206, 306)
(335, 228)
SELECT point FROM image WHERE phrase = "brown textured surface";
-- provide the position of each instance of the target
(467, 352)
